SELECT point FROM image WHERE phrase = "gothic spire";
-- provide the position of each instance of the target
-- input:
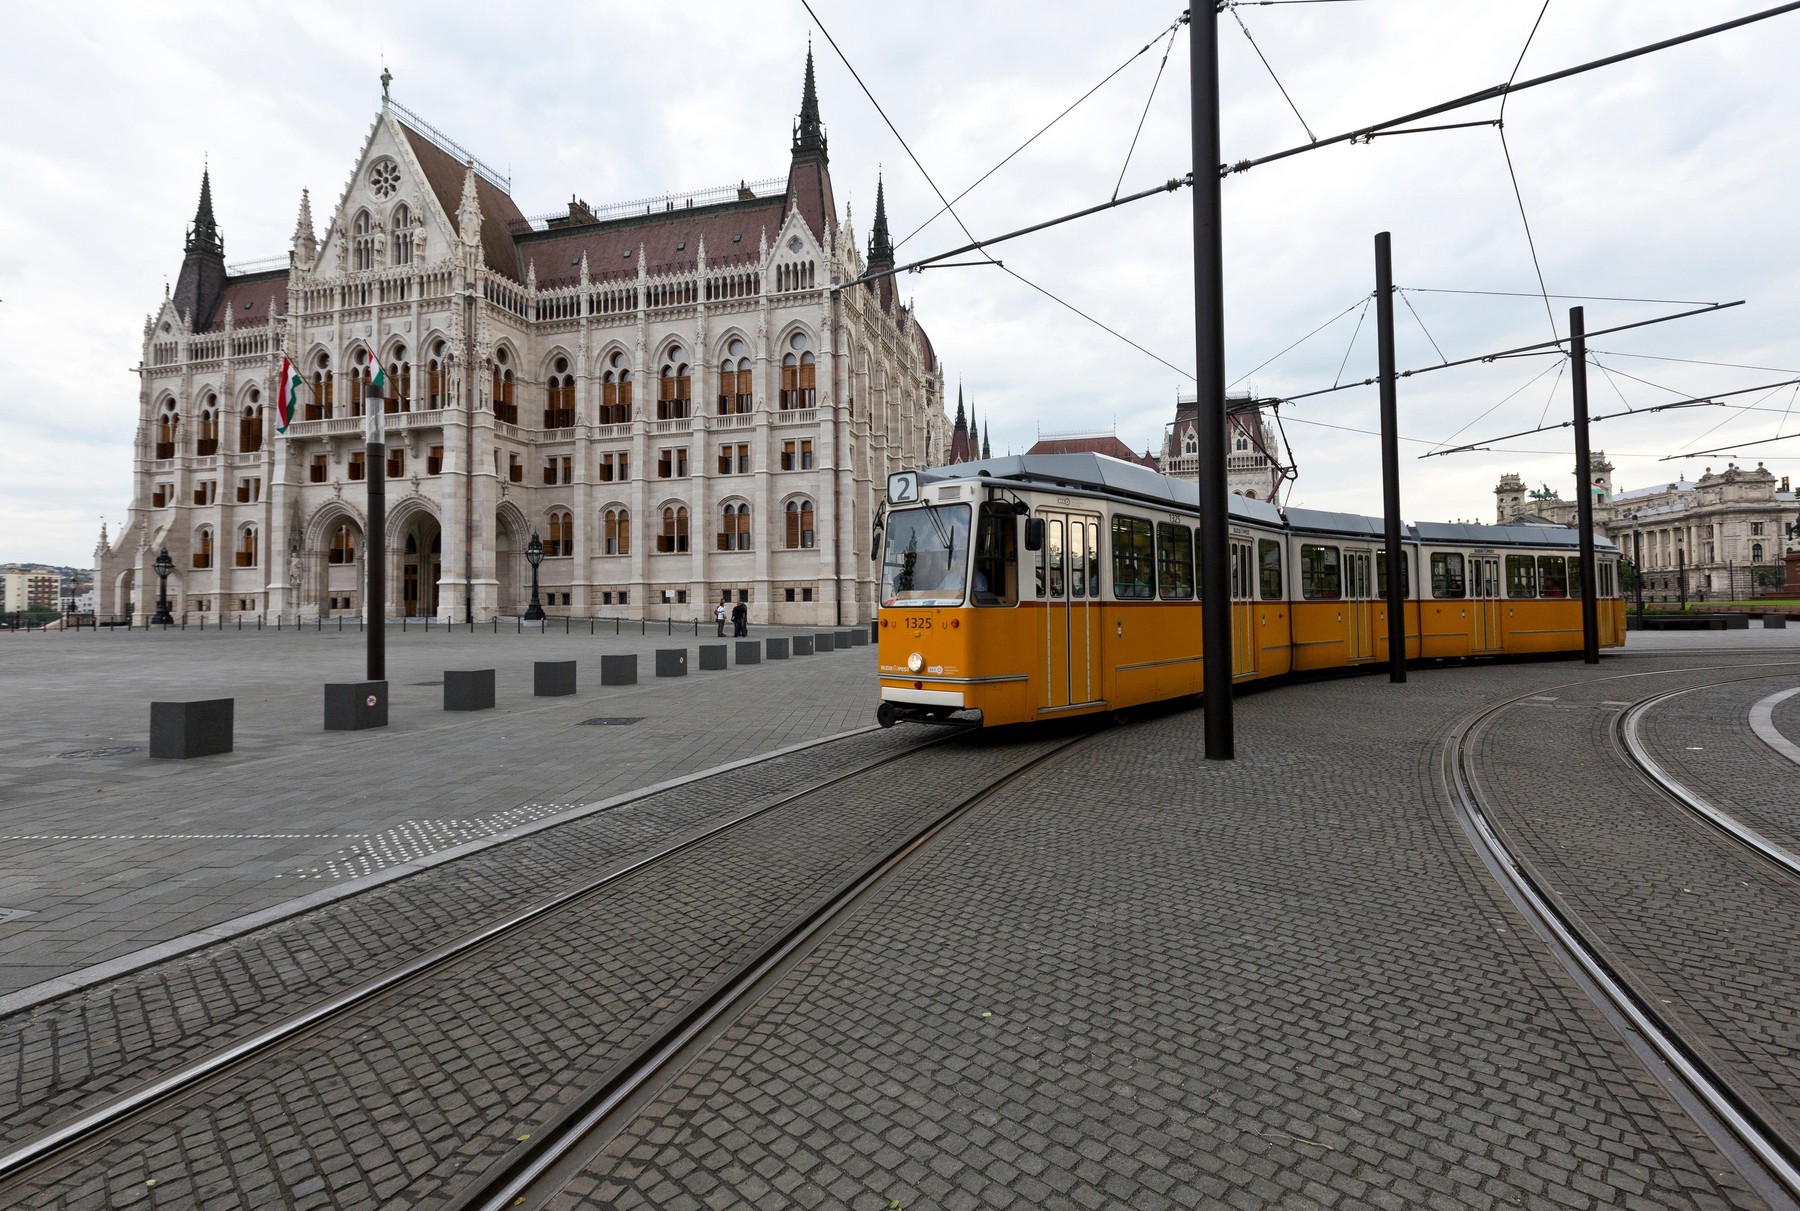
(962, 421)
(881, 244)
(809, 132)
(305, 244)
(974, 429)
(204, 236)
(987, 451)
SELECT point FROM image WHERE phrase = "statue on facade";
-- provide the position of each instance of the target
(293, 566)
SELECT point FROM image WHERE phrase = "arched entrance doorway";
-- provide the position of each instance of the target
(421, 566)
(509, 560)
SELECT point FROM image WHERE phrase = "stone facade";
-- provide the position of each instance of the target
(1725, 534)
(684, 398)
(1251, 467)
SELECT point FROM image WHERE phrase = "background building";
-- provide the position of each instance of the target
(1725, 533)
(1251, 467)
(672, 393)
(23, 588)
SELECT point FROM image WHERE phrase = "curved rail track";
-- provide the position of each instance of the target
(1759, 1146)
(92, 1126)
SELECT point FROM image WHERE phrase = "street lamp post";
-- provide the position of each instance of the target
(162, 566)
(534, 555)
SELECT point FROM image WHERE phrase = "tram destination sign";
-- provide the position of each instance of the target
(903, 488)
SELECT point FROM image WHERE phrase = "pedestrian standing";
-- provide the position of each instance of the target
(719, 617)
(740, 620)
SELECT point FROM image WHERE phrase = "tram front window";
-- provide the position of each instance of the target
(927, 558)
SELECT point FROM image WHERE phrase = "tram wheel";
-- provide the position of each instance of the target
(887, 714)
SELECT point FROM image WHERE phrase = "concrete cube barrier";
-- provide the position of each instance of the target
(749, 651)
(1774, 621)
(469, 689)
(351, 706)
(846, 639)
(778, 648)
(859, 638)
(199, 727)
(1737, 622)
(824, 641)
(671, 662)
(553, 678)
(802, 645)
(875, 630)
(712, 657)
(619, 670)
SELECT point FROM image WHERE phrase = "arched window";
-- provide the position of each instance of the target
(167, 422)
(250, 424)
(799, 524)
(319, 406)
(360, 374)
(399, 382)
(434, 378)
(734, 528)
(798, 376)
(616, 526)
(203, 547)
(246, 551)
(1242, 441)
(562, 535)
(506, 407)
(403, 236)
(343, 544)
(1756, 552)
(207, 442)
(1191, 443)
(615, 391)
(735, 385)
(362, 242)
(674, 536)
(559, 397)
(675, 398)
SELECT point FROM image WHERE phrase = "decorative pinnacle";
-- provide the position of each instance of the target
(204, 236)
(881, 243)
(809, 133)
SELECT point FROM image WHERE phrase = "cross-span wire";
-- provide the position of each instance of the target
(1551, 398)
(1362, 302)
(1503, 399)
(1506, 151)
(1034, 138)
(845, 59)
(1273, 76)
(1529, 294)
(1362, 315)
(1692, 361)
(1421, 324)
(1147, 100)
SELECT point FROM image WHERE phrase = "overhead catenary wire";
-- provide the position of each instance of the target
(1361, 316)
(1694, 361)
(1361, 302)
(1271, 70)
(1120, 183)
(1421, 324)
(1506, 150)
(1592, 298)
(1134, 57)
(1503, 400)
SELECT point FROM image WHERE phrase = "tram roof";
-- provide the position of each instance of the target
(1091, 472)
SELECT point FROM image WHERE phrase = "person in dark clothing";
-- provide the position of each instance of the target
(740, 620)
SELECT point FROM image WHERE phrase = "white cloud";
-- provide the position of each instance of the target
(1669, 176)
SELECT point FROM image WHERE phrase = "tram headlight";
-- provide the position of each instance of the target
(915, 662)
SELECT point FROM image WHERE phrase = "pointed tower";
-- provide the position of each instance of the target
(881, 244)
(809, 174)
(305, 249)
(202, 277)
(959, 438)
(987, 451)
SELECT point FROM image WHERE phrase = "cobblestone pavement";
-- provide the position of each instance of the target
(1703, 740)
(446, 1075)
(1704, 928)
(104, 853)
(1144, 980)
(80, 1050)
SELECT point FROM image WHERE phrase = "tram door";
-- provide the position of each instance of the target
(1487, 633)
(1244, 641)
(1072, 608)
(1359, 606)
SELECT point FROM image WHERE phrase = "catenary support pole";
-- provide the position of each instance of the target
(1390, 459)
(375, 546)
(1209, 351)
(1584, 490)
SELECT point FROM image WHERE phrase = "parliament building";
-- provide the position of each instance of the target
(686, 398)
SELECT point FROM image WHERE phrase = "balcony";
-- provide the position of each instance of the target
(336, 426)
(671, 426)
(734, 420)
(798, 416)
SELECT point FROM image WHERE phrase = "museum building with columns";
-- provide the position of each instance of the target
(686, 398)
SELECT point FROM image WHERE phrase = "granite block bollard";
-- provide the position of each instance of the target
(553, 678)
(803, 645)
(778, 647)
(199, 727)
(469, 689)
(859, 638)
(825, 641)
(1774, 621)
(712, 657)
(619, 670)
(671, 662)
(351, 706)
(749, 651)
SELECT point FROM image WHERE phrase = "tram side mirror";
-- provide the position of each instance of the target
(1034, 533)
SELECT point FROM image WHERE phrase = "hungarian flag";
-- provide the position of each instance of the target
(287, 395)
(377, 381)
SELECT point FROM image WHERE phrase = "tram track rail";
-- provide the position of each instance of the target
(550, 1156)
(1750, 1135)
(94, 1125)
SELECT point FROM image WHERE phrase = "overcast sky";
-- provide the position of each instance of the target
(1669, 177)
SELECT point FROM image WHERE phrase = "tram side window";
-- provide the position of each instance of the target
(1078, 559)
(1134, 556)
(996, 557)
(1381, 574)
(1243, 573)
(1521, 576)
(1321, 574)
(1553, 576)
(1268, 554)
(1575, 576)
(1175, 561)
(1447, 574)
(1093, 547)
(1054, 548)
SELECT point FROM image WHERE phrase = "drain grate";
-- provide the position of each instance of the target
(612, 721)
(88, 754)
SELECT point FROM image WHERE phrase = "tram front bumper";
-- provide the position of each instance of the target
(909, 696)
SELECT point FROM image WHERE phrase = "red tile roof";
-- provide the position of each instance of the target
(248, 299)
(1100, 444)
(733, 232)
(498, 211)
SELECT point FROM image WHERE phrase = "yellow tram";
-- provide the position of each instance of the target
(1038, 586)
